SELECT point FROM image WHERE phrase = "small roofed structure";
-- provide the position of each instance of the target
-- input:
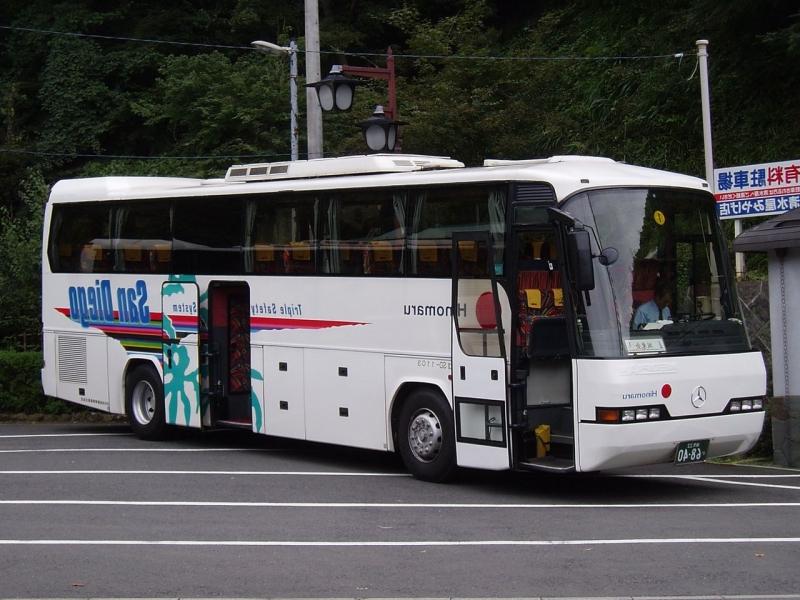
(780, 239)
(782, 231)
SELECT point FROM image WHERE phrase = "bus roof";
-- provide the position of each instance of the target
(567, 175)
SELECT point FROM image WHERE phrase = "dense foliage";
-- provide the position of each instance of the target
(20, 384)
(83, 106)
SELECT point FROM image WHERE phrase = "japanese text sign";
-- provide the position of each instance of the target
(757, 190)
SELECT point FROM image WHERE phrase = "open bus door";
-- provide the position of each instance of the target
(479, 356)
(180, 353)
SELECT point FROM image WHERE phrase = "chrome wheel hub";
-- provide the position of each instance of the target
(425, 435)
(143, 402)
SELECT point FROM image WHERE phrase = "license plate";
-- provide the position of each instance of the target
(691, 452)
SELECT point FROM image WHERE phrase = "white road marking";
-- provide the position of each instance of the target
(722, 479)
(746, 483)
(401, 544)
(148, 449)
(773, 467)
(50, 435)
(415, 505)
(711, 476)
(237, 473)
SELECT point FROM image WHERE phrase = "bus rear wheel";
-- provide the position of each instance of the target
(425, 436)
(144, 403)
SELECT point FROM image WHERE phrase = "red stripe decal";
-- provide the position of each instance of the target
(276, 323)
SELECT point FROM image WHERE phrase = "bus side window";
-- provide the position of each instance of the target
(209, 236)
(142, 240)
(439, 212)
(364, 233)
(281, 235)
(80, 239)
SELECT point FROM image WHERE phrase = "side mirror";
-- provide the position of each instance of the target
(579, 248)
(608, 256)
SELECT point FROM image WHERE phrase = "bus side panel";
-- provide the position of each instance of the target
(345, 401)
(49, 362)
(117, 364)
(671, 382)
(283, 398)
(81, 361)
(401, 370)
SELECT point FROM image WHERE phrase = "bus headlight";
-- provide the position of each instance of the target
(631, 415)
(749, 404)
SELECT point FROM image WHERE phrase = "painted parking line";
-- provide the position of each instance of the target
(137, 450)
(227, 473)
(673, 597)
(395, 505)
(52, 435)
(717, 476)
(401, 544)
(746, 483)
(723, 479)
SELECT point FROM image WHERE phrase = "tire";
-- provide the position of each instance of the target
(426, 436)
(144, 403)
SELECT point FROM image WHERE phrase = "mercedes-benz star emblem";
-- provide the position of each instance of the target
(698, 396)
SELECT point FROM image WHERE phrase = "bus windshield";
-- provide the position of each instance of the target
(668, 292)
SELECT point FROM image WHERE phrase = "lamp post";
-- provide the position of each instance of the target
(335, 92)
(380, 132)
(386, 74)
(291, 51)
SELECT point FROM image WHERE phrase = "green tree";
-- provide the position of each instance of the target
(20, 258)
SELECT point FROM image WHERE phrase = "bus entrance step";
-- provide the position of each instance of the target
(547, 463)
(234, 423)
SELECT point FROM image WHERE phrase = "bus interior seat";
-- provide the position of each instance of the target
(299, 258)
(163, 253)
(132, 256)
(383, 258)
(265, 258)
(433, 258)
(540, 295)
(351, 258)
(92, 258)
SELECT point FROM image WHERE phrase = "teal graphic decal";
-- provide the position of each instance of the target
(181, 384)
(254, 400)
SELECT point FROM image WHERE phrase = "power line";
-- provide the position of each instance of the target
(138, 157)
(675, 55)
(122, 39)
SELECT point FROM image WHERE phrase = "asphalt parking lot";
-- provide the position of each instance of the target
(90, 511)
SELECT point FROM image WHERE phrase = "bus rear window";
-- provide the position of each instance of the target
(80, 239)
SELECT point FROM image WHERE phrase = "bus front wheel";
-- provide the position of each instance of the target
(426, 438)
(144, 403)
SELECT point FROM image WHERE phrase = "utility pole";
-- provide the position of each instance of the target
(313, 110)
(291, 51)
(702, 55)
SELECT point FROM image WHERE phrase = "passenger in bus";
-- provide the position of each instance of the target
(656, 309)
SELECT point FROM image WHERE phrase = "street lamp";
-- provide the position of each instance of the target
(335, 92)
(291, 51)
(380, 133)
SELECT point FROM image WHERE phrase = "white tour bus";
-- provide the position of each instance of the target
(570, 314)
